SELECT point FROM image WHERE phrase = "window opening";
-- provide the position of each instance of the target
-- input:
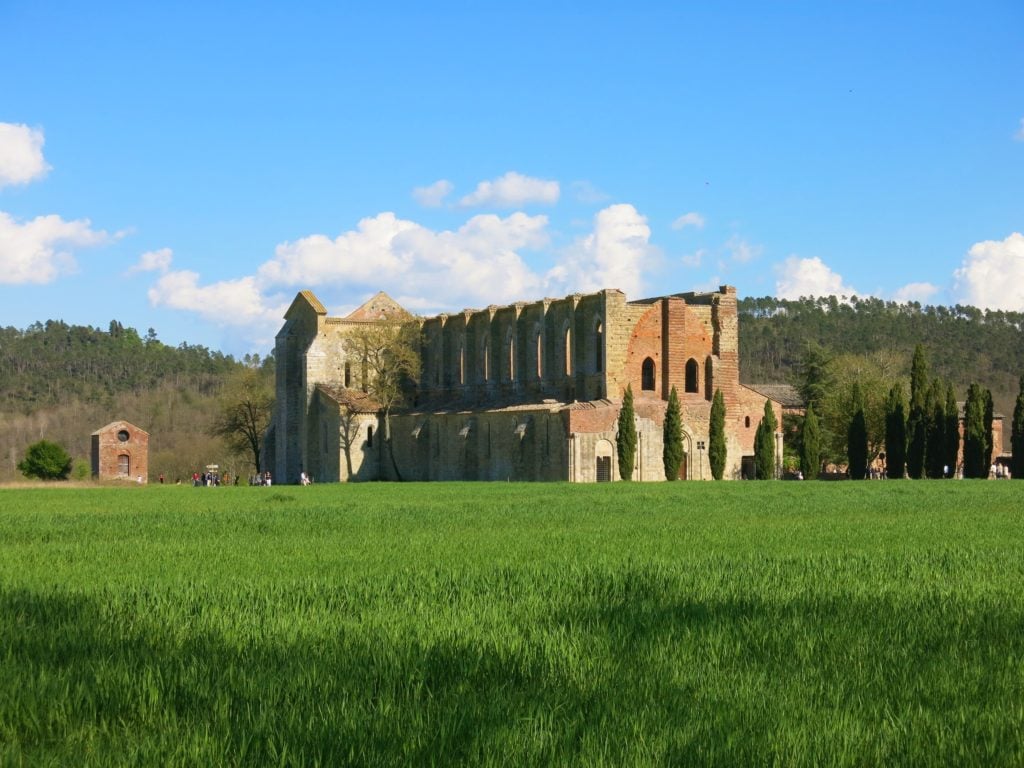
(647, 375)
(691, 375)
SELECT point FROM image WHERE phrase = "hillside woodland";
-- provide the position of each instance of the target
(61, 382)
(874, 340)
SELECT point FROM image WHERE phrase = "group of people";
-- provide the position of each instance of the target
(205, 479)
(261, 478)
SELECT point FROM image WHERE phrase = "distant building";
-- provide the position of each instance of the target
(120, 451)
(526, 391)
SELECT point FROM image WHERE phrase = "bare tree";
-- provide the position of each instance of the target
(245, 410)
(389, 358)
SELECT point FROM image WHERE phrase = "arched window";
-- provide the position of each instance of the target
(540, 355)
(124, 465)
(708, 379)
(647, 374)
(462, 363)
(369, 437)
(568, 350)
(510, 342)
(746, 422)
(348, 374)
(691, 375)
(599, 347)
(487, 362)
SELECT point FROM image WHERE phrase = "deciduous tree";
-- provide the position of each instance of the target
(245, 409)
(388, 354)
(46, 461)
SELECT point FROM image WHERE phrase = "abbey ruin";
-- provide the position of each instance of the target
(527, 391)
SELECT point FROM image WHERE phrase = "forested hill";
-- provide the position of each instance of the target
(54, 363)
(963, 344)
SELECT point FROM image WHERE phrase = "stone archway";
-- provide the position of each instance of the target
(603, 453)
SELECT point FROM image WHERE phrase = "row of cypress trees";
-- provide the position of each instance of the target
(924, 444)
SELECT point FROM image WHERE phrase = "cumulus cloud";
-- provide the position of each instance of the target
(21, 154)
(920, 292)
(740, 250)
(511, 190)
(614, 255)
(477, 263)
(691, 219)
(41, 250)
(153, 261)
(228, 302)
(796, 277)
(432, 196)
(992, 274)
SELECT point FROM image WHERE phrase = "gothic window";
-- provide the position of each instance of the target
(540, 354)
(568, 350)
(708, 379)
(462, 363)
(348, 374)
(369, 437)
(647, 374)
(691, 375)
(599, 347)
(510, 344)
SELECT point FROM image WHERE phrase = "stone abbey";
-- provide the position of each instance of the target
(527, 391)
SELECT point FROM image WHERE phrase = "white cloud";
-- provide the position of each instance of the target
(796, 277)
(691, 219)
(613, 256)
(433, 195)
(41, 250)
(153, 261)
(477, 264)
(992, 274)
(21, 154)
(1019, 135)
(228, 302)
(919, 292)
(511, 190)
(740, 250)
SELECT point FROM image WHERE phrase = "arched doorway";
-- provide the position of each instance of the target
(603, 452)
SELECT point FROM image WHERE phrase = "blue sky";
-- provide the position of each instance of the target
(190, 168)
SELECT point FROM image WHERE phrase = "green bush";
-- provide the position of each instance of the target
(46, 461)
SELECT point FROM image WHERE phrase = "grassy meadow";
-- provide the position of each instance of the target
(874, 623)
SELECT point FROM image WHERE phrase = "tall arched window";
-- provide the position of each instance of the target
(568, 350)
(599, 347)
(691, 375)
(708, 379)
(510, 343)
(348, 374)
(647, 375)
(540, 355)
(487, 362)
(462, 363)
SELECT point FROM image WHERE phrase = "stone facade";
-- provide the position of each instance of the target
(527, 391)
(120, 451)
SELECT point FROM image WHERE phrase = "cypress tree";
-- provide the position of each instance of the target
(764, 444)
(857, 438)
(989, 418)
(716, 436)
(810, 449)
(935, 447)
(974, 434)
(952, 432)
(895, 434)
(917, 423)
(672, 437)
(1017, 435)
(625, 440)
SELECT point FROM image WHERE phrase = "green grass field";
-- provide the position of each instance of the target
(516, 624)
